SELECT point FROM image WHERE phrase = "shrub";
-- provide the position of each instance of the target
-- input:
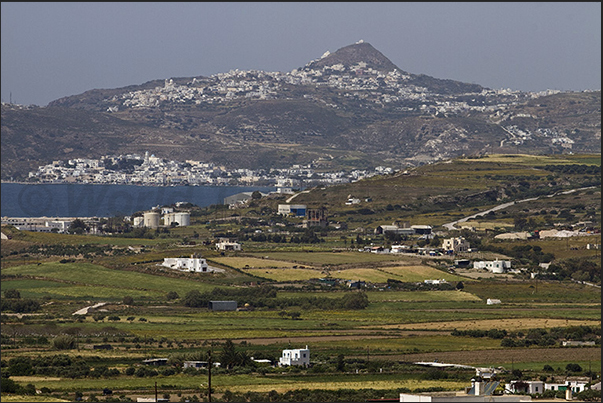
(172, 295)
(573, 367)
(64, 342)
(12, 294)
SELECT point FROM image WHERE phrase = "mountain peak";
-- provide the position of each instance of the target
(352, 55)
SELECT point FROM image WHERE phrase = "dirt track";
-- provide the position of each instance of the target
(507, 355)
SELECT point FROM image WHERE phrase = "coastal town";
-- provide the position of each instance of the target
(136, 169)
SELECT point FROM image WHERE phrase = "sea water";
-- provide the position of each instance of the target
(92, 200)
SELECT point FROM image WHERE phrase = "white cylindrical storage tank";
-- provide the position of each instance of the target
(183, 218)
(168, 219)
(151, 219)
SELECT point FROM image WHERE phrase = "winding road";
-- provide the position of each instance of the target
(451, 226)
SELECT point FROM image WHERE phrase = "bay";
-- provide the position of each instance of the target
(96, 200)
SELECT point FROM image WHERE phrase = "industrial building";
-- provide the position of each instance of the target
(151, 219)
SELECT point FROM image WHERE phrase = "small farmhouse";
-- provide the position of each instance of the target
(495, 266)
(295, 357)
(194, 264)
(227, 245)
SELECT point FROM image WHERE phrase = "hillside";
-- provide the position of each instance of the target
(353, 107)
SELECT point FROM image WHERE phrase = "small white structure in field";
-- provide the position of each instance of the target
(295, 357)
(194, 264)
(227, 245)
(442, 281)
(492, 301)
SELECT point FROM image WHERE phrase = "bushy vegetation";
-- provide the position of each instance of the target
(579, 269)
(492, 333)
(552, 336)
(265, 297)
(19, 305)
(61, 365)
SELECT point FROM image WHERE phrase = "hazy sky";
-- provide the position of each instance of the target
(52, 50)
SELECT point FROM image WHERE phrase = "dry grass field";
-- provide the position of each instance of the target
(506, 324)
(286, 274)
(252, 262)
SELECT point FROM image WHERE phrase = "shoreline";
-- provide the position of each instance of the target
(135, 184)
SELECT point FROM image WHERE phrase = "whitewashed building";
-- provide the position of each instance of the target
(194, 264)
(495, 266)
(295, 357)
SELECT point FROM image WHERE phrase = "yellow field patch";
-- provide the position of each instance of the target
(416, 296)
(33, 379)
(506, 324)
(29, 398)
(253, 262)
(400, 273)
(286, 274)
(419, 273)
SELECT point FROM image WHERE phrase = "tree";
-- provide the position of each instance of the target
(64, 342)
(78, 227)
(256, 195)
(230, 357)
(571, 367)
(355, 300)
(172, 295)
(128, 300)
(194, 299)
(460, 285)
(12, 294)
(340, 363)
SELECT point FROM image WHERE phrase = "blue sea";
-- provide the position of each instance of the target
(83, 200)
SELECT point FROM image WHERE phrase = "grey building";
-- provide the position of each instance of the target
(223, 305)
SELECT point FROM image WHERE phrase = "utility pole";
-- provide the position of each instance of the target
(209, 365)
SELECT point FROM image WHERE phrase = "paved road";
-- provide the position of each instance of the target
(451, 226)
(84, 311)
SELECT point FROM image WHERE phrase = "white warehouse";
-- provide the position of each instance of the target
(295, 357)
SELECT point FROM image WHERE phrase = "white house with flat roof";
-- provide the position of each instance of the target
(194, 264)
(295, 357)
(494, 266)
